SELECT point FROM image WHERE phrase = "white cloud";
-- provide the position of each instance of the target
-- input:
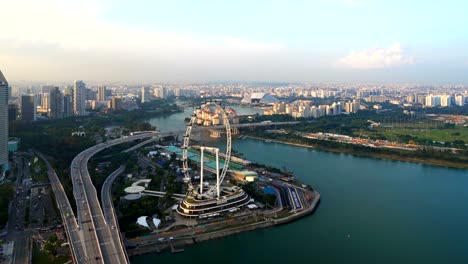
(376, 58)
(71, 40)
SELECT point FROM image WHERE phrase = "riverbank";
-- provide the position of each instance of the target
(435, 162)
(180, 242)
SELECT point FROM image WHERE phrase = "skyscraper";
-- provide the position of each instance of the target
(101, 97)
(144, 94)
(45, 101)
(3, 122)
(79, 98)
(28, 107)
(55, 103)
(12, 112)
(116, 103)
(67, 105)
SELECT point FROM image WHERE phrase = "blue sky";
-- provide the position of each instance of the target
(336, 40)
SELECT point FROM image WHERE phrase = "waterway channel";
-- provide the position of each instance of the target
(372, 211)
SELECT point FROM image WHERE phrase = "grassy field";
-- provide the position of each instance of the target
(38, 170)
(406, 134)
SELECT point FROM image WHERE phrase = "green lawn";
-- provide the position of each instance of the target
(405, 134)
(38, 170)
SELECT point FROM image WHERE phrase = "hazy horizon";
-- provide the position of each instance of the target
(339, 41)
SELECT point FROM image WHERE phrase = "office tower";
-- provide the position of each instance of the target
(45, 103)
(116, 103)
(145, 94)
(12, 112)
(79, 98)
(67, 105)
(55, 103)
(28, 107)
(101, 96)
(3, 122)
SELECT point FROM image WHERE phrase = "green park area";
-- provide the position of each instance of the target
(457, 135)
(38, 170)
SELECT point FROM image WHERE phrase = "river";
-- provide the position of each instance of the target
(372, 211)
(176, 121)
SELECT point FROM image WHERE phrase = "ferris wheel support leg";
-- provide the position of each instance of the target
(201, 169)
(217, 170)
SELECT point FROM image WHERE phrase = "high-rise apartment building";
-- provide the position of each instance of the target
(45, 103)
(161, 92)
(67, 105)
(28, 107)
(3, 122)
(101, 96)
(433, 100)
(116, 103)
(460, 100)
(145, 94)
(55, 103)
(79, 98)
(446, 100)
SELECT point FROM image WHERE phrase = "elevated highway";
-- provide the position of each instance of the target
(102, 238)
(79, 251)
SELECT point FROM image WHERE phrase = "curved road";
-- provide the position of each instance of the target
(102, 239)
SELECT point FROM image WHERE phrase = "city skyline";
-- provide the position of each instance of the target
(336, 41)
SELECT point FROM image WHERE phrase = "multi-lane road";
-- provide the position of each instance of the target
(102, 237)
(75, 234)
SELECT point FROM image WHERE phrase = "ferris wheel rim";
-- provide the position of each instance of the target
(185, 146)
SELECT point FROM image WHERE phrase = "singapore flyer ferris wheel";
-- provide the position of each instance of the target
(199, 118)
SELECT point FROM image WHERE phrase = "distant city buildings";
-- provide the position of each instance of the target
(145, 95)
(67, 105)
(28, 107)
(79, 98)
(12, 112)
(305, 109)
(208, 116)
(101, 95)
(116, 103)
(3, 123)
(56, 103)
(161, 92)
(460, 100)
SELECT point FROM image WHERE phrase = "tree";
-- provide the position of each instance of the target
(51, 245)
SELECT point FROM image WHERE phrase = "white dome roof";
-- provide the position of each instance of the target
(260, 98)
